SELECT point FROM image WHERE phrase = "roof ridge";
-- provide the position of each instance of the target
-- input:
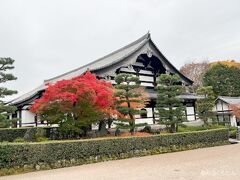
(231, 97)
(145, 36)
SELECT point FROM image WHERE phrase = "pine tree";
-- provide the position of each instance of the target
(128, 99)
(206, 104)
(169, 105)
(5, 109)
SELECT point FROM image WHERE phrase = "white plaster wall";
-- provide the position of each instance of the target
(146, 78)
(225, 106)
(18, 116)
(28, 117)
(149, 112)
(146, 72)
(233, 121)
(147, 84)
(221, 106)
(148, 120)
(190, 113)
(145, 120)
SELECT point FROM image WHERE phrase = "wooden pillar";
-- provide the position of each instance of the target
(153, 115)
(186, 112)
(194, 110)
(223, 112)
(155, 79)
(152, 105)
(229, 120)
(20, 117)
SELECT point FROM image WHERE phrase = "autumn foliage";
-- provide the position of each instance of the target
(230, 63)
(236, 110)
(195, 72)
(75, 103)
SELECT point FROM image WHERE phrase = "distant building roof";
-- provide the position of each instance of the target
(229, 100)
(191, 96)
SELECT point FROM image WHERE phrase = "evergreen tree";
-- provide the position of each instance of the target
(169, 105)
(206, 104)
(128, 98)
(5, 109)
(223, 79)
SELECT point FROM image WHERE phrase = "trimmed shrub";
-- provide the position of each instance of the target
(28, 134)
(41, 139)
(48, 155)
(184, 128)
(19, 140)
(233, 132)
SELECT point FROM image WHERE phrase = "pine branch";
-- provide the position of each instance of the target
(5, 65)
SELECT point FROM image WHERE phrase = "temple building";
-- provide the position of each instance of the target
(141, 57)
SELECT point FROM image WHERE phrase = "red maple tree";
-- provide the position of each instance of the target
(75, 103)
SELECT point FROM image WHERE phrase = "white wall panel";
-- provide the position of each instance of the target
(146, 78)
(28, 117)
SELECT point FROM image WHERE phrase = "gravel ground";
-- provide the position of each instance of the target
(221, 162)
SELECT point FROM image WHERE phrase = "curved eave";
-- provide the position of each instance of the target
(27, 97)
(28, 100)
(186, 79)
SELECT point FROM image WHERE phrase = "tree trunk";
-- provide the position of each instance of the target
(173, 128)
(102, 128)
(132, 127)
(176, 127)
(132, 123)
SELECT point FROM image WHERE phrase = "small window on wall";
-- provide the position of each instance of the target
(143, 113)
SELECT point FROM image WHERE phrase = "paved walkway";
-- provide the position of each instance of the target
(221, 162)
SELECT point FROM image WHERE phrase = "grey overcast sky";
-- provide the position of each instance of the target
(50, 37)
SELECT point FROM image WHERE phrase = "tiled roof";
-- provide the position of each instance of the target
(106, 61)
(230, 100)
(27, 95)
(191, 96)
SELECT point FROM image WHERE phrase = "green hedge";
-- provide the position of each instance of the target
(28, 134)
(233, 132)
(184, 128)
(19, 157)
